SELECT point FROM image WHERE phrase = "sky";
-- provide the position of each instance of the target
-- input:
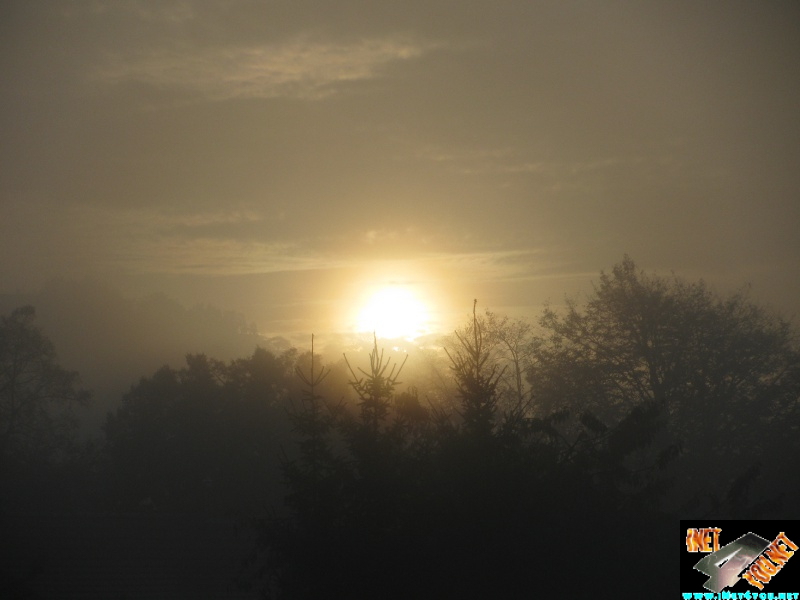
(288, 159)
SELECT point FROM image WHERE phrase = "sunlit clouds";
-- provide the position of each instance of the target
(281, 158)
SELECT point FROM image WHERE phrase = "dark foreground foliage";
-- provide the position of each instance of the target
(562, 463)
(657, 402)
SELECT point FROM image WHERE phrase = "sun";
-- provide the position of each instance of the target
(394, 312)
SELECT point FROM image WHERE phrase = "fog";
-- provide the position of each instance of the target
(578, 220)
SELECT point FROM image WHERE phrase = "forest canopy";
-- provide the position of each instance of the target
(652, 400)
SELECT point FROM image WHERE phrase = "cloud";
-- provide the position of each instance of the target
(300, 68)
(495, 265)
(98, 239)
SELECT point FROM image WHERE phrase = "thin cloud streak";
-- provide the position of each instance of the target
(212, 243)
(207, 256)
(300, 68)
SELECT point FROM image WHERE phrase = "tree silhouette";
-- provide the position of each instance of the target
(414, 508)
(303, 541)
(313, 427)
(388, 498)
(375, 387)
(193, 438)
(511, 339)
(720, 372)
(36, 394)
(475, 377)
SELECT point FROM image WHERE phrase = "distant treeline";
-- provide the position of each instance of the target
(562, 444)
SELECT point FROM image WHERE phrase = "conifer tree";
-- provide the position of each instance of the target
(310, 476)
(375, 387)
(476, 379)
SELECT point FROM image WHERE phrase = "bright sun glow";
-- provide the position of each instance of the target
(394, 312)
